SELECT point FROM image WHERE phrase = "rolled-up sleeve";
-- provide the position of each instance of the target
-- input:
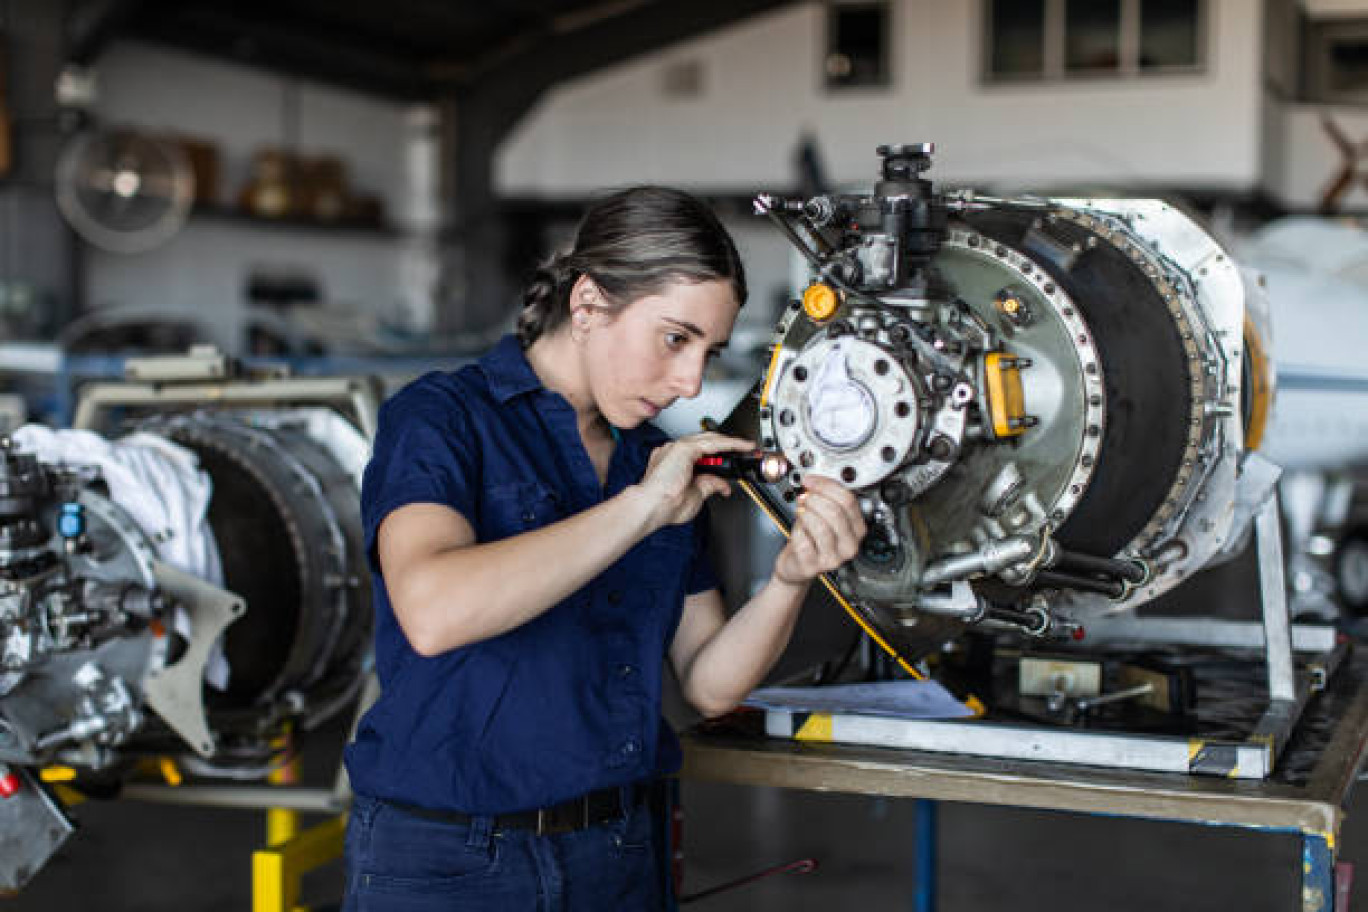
(424, 452)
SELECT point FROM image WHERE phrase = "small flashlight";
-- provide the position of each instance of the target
(764, 465)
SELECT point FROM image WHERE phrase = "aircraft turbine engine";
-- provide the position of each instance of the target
(1043, 404)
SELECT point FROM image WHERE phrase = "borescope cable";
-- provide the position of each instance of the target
(763, 503)
(754, 494)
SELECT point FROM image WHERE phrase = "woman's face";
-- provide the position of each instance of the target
(639, 360)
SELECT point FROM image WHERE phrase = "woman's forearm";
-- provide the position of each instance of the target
(743, 650)
(465, 594)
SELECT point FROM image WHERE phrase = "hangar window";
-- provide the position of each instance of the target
(1170, 32)
(1337, 61)
(1092, 36)
(857, 44)
(1034, 40)
(1017, 38)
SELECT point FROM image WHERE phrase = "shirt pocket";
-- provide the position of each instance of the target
(666, 556)
(512, 509)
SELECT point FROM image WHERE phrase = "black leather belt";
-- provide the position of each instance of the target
(596, 807)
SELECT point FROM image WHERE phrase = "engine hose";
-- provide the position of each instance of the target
(1035, 623)
(1060, 580)
(1129, 570)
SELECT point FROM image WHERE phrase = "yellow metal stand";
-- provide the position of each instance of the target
(277, 870)
(282, 824)
(290, 853)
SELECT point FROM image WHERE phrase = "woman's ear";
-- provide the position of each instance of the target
(579, 322)
(585, 294)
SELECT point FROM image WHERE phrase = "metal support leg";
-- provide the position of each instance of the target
(1318, 873)
(1282, 684)
(927, 845)
(1283, 707)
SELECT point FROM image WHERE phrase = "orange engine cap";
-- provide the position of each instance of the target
(820, 301)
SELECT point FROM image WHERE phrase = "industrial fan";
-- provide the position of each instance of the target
(124, 191)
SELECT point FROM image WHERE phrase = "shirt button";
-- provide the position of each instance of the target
(614, 596)
(529, 517)
(626, 671)
(631, 747)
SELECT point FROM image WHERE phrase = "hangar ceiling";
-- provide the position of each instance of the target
(405, 49)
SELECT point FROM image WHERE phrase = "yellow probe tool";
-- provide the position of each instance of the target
(905, 665)
(751, 492)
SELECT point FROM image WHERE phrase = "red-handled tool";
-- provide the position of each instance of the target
(9, 781)
(761, 465)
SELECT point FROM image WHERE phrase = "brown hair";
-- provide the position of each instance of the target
(632, 244)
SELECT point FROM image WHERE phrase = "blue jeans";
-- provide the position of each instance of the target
(400, 862)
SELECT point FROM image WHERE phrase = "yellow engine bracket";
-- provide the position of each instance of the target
(769, 376)
(1258, 385)
(277, 870)
(170, 771)
(57, 773)
(1006, 401)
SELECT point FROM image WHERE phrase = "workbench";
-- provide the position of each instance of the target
(1305, 796)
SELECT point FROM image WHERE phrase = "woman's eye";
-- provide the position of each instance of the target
(675, 340)
(714, 354)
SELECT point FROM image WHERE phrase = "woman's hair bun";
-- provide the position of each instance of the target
(541, 299)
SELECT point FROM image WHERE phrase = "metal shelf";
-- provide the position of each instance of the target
(354, 227)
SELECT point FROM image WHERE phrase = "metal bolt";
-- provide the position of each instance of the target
(942, 448)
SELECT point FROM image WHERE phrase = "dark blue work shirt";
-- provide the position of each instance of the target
(566, 703)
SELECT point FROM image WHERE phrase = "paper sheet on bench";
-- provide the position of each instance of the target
(899, 699)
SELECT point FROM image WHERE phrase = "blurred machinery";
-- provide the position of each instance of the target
(1316, 271)
(104, 647)
(1049, 410)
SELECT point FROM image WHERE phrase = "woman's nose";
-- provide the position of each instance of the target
(689, 381)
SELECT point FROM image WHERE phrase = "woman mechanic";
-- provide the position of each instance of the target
(537, 553)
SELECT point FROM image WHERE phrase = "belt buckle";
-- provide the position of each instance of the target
(558, 819)
(551, 821)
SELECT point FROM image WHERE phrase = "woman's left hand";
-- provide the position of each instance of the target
(827, 533)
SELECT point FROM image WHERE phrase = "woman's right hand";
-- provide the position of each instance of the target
(672, 489)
